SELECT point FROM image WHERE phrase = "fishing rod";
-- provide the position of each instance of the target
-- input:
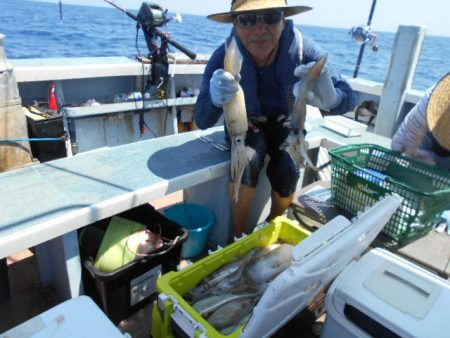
(60, 10)
(366, 36)
(121, 9)
(149, 17)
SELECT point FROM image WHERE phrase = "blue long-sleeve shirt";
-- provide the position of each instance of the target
(271, 97)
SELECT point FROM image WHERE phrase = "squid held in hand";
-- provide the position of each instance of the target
(236, 117)
(297, 145)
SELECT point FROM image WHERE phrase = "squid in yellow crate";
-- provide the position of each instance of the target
(256, 284)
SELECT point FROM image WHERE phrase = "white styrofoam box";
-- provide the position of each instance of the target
(314, 118)
(77, 317)
(385, 295)
(344, 126)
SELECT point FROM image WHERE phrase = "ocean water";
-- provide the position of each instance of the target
(34, 30)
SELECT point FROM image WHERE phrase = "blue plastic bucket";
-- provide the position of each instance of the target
(197, 220)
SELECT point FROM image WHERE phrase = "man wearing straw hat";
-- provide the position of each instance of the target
(424, 133)
(275, 55)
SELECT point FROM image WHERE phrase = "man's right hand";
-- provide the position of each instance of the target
(222, 87)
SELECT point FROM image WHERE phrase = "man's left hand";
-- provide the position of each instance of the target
(323, 95)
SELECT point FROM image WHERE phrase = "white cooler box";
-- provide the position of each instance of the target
(75, 318)
(384, 295)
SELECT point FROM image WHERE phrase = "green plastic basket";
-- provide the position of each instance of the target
(363, 173)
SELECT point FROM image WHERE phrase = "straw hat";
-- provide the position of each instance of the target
(438, 112)
(242, 6)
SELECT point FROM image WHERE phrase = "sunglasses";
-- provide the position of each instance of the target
(248, 20)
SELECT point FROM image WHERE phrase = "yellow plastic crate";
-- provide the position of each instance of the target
(173, 285)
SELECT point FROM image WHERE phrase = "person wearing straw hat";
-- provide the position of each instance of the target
(424, 135)
(276, 55)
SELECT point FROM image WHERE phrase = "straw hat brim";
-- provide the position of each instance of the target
(438, 112)
(227, 17)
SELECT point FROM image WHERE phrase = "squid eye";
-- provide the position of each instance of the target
(239, 140)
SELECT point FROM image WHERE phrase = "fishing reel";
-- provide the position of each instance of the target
(152, 15)
(149, 18)
(364, 35)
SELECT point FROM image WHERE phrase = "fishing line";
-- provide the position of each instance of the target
(142, 123)
(167, 110)
(165, 88)
(172, 75)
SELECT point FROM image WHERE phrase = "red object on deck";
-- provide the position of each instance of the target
(52, 101)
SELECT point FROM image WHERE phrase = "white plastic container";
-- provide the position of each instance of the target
(344, 126)
(76, 318)
(384, 295)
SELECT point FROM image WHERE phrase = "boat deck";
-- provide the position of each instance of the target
(431, 252)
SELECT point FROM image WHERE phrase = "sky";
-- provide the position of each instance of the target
(388, 15)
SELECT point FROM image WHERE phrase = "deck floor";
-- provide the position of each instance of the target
(27, 297)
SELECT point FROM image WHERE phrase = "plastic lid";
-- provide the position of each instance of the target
(317, 261)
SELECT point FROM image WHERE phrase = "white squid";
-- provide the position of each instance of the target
(297, 145)
(236, 118)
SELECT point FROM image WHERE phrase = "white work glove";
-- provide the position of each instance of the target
(323, 95)
(222, 87)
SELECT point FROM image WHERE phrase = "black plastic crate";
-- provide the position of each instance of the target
(129, 288)
(49, 127)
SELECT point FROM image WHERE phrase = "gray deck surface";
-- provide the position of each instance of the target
(432, 251)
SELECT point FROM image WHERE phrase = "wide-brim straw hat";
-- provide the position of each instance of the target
(438, 112)
(242, 6)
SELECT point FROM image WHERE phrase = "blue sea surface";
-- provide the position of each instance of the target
(34, 30)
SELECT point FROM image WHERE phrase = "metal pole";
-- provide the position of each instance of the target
(60, 10)
(361, 50)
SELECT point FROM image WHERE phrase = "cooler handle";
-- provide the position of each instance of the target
(186, 323)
